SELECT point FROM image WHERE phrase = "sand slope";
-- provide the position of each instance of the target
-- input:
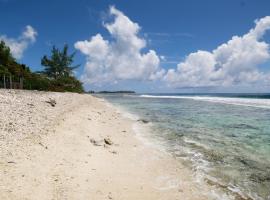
(59, 152)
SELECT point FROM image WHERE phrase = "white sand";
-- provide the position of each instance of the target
(49, 153)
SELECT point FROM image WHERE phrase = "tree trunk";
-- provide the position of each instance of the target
(21, 83)
(10, 82)
(4, 81)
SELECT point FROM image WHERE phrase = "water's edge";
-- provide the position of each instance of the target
(230, 191)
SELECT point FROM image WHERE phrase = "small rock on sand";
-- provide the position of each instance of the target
(108, 141)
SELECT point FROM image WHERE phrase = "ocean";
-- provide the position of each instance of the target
(223, 138)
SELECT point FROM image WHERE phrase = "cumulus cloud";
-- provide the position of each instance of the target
(19, 45)
(233, 63)
(123, 57)
(120, 58)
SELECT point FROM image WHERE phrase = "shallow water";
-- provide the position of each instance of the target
(225, 141)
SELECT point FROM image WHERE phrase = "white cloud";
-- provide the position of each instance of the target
(19, 45)
(29, 33)
(233, 63)
(120, 58)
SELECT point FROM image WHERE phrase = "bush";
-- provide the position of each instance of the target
(37, 82)
(66, 84)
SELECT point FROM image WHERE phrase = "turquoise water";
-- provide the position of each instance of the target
(224, 140)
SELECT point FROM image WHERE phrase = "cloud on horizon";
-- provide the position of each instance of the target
(19, 45)
(233, 63)
(120, 58)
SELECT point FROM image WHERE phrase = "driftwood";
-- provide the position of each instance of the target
(52, 102)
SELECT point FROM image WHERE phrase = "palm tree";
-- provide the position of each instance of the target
(58, 65)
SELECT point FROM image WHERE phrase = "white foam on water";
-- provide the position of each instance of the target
(196, 143)
(259, 103)
(123, 112)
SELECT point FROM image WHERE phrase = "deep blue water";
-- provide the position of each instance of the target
(223, 137)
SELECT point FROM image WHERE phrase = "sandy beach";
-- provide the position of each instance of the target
(75, 146)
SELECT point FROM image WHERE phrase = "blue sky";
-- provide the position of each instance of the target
(173, 29)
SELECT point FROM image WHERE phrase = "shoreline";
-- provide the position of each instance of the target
(68, 158)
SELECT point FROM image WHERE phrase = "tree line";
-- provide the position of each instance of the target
(57, 74)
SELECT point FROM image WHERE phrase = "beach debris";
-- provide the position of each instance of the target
(52, 102)
(43, 145)
(108, 141)
(143, 121)
(94, 142)
(11, 162)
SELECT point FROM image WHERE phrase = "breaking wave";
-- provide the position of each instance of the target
(252, 102)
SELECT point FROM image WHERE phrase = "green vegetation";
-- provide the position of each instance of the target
(60, 72)
(57, 75)
(59, 63)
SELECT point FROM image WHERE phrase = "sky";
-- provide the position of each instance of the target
(147, 46)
